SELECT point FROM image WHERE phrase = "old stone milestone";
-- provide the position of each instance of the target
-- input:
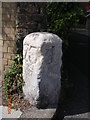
(42, 53)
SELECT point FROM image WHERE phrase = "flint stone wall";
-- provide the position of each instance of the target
(41, 68)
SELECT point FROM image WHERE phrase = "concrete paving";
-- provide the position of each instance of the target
(38, 113)
(4, 113)
(77, 116)
(48, 114)
(75, 108)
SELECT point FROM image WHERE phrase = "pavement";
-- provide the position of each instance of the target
(47, 114)
(4, 113)
(76, 106)
(83, 116)
(38, 113)
(30, 113)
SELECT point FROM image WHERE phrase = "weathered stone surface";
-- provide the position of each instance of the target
(34, 113)
(4, 113)
(41, 68)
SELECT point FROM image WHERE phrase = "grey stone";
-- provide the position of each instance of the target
(4, 113)
(84, 116)
(42, 53)
(38, 113)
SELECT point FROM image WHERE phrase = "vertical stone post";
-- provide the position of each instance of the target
(42, 53)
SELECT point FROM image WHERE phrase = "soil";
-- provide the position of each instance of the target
(18, 103)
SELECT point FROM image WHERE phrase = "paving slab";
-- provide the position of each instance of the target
(83, 116)
(4, 113)
(38, 113)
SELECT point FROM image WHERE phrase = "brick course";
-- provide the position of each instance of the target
(8, 29)
(1, 43)
(30, 18)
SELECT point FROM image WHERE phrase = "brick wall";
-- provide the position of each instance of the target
(1, 42)
(8, 33)
(0, 69)
(30, 18)
(8, 36)
(18, 20)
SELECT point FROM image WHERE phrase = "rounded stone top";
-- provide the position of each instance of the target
(38, 38)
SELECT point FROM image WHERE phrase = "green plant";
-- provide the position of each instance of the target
(13, 80)
(61, 18)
